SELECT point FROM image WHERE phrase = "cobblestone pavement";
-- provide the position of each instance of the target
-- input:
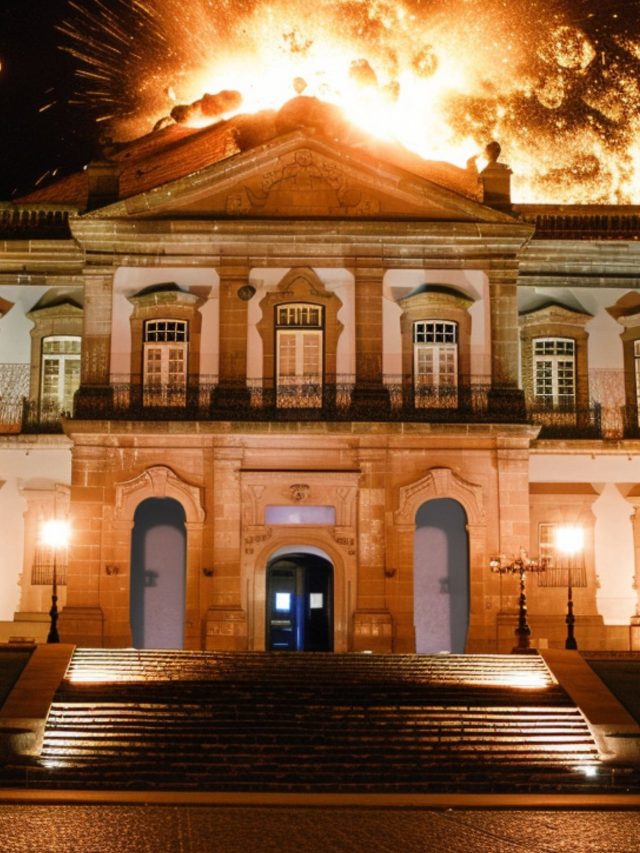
(209, 829)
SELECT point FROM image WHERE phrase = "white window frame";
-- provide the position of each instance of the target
(554, 369)
(60, 399)
(299, 324)
(165, 341)
(436, 342)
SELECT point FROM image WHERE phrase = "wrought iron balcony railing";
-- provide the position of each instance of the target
(341, 400)
(307, 399)
(566, 421)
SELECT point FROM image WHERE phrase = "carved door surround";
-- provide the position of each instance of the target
(444, 483)
(157, 481)
(338, 542)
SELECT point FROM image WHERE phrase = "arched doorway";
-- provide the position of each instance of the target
(158, 549)
(299, 602)
(441, 577)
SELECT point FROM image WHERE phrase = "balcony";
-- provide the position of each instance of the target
(567, 422)
(397, 400)
(339, 400)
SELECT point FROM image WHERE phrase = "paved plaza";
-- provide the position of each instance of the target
(208, 829)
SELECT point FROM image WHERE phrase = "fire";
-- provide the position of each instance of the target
(441, 78)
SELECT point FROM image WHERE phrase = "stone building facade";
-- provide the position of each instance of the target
(293, 392)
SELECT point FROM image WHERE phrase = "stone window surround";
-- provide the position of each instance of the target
(629, 336)
(65, 318)
(165, 305)
(556, 321)
(436, 305)
(299, 285)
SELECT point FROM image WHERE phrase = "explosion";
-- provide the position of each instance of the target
(556, 82)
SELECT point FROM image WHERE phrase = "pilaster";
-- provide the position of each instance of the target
(232, 379)
(369, 392)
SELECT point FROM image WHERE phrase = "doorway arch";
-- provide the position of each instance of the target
(299, 600)
(441, 576)
(158, 574)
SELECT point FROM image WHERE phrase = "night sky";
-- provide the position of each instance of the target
(35, 72)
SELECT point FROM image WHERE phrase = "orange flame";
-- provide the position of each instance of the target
(441, 81)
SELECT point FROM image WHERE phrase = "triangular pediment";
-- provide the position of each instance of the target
(301, 175)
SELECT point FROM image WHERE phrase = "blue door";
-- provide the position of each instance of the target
(300, 604)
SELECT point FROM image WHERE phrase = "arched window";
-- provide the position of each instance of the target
(60, 372)
(436, 332)
(165, 358)
(554, 372)
(299, 354)
(435, 362)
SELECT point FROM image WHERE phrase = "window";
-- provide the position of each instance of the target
(165, 362)
(60, 373)
(435, 366)
(554, 372)
(299, 355)
(561, 568)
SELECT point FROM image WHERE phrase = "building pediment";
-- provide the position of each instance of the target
(298, 175)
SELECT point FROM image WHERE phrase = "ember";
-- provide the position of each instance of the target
(558, 91)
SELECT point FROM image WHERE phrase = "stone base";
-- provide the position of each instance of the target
(373, 631)
(550, 632)
(82, 626)
(634, 634)
(26, 627)
(226, 630)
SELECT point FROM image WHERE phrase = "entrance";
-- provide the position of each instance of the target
(300, 604)
(441, 577)
(158, 548)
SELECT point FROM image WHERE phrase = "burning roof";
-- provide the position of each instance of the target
(177, 150)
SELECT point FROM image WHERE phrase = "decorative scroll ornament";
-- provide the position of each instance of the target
(299, 492)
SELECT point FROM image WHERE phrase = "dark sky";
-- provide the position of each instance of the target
(35, 72)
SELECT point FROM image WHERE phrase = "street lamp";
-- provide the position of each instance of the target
(54, 534)
(520, 565)
(570, 543)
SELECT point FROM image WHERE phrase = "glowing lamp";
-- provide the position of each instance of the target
(54, 534)
(569, 539)
(570, 542)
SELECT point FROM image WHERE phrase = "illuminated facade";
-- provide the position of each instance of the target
(309, 390)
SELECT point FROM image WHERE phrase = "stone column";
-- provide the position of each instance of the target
(373, 627)
(82, 620)
(505, 396)
(232, 388)
(512, 457)
(94, 394)
(226, 620)
(369, 393)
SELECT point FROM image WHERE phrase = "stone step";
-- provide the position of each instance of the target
(283, 721)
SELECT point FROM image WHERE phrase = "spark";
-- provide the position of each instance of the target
(555, 82)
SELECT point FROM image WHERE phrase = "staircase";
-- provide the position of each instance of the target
(127, 719)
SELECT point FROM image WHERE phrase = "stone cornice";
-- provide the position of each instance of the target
(338, 243)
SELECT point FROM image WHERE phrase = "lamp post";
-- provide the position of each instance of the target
(520, 565)
(54, 534)
(570, 543)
